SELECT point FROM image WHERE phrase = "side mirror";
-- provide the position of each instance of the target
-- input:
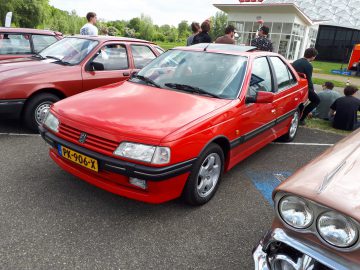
(264, 97)
(302, 75)
(97, 66)
(261, 97)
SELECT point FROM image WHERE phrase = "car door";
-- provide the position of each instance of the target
(110, 64)
(255, 120)
(141, 55)
(286, 92)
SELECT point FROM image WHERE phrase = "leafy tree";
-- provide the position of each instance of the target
(219, 23)
(183, 29)
(147, 29)
(134, 23)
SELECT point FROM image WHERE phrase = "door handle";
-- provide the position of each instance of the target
(273, 111)
(126, 73)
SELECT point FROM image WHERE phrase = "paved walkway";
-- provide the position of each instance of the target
(332, 77)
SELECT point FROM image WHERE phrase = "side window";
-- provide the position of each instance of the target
(113, 57)
(260, 77)
(283, 74)
(42, 41)
(15, 44)
(142, 55)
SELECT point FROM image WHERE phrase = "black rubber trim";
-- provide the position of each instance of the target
(122, 167)
(248, 136)
(11, 107)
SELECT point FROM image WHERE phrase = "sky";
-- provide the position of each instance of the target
(161, 11)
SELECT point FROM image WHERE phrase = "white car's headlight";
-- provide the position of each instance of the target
(142, 152)
(52, 122)
(295, 212)
(337, 229)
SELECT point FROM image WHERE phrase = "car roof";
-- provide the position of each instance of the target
(226, 49)
(29, 31)
(112, 38)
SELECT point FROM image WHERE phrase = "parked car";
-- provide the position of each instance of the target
(176, 126)
(24, 42)
(317, 220)
(67, 67)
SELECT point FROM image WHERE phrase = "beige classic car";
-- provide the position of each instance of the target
(317, 214)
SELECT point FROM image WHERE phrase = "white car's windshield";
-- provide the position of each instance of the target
(213, 74)
(69, 50)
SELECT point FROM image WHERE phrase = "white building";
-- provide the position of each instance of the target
(291, 31)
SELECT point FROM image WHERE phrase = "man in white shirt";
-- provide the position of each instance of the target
(90, 29)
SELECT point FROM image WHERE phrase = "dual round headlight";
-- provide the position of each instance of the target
(334, 228)
(295, 212)
(337, 229)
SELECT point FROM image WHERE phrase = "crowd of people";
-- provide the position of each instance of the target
(327, 105)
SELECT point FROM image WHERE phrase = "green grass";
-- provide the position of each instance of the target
(322, 81)
(170, 45)
(323, 125)
(326, 67)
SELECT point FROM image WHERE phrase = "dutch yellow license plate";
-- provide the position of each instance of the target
(78, 158)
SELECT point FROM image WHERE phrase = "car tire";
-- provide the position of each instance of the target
(36, 109)
(293, 128)
(205, 176)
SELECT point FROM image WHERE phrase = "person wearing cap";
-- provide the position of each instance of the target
(228, 38)
(261, 42)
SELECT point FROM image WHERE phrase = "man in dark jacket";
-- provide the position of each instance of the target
(203, 36)
(261, 42)
(344, 110)
(303, 65)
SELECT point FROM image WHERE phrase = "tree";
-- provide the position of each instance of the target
(219, 23)
(183, 29)
(134, 23)
(147, 29)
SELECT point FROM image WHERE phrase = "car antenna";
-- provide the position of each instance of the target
(206, 47)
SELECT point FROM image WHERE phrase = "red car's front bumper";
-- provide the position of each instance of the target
(163, 184)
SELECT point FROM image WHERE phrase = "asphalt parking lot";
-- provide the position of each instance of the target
(51, 220)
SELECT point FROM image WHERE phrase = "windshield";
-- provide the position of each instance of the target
(69, 50)
(213, 74)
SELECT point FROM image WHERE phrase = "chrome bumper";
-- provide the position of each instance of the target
(311, 255)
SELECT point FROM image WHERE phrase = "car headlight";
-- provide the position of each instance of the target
(295, 212)
(52, 122)
(142, 152)
(337, 229)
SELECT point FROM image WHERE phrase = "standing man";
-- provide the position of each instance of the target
(203, 36)
(228, 38)
(89, 28)
(261, 42)
(195, 28)
(303, 65)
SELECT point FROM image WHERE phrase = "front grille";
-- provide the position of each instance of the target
(92, 142)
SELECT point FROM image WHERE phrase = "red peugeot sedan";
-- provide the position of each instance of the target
(176, 126)
(70, 66)
(24, 42)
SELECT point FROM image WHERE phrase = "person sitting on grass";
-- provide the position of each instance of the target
(327, 98)
(344, 110)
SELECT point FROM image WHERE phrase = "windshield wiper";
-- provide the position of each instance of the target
(189, 88)
(146, 79)
(39, 56)
(58, 60)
